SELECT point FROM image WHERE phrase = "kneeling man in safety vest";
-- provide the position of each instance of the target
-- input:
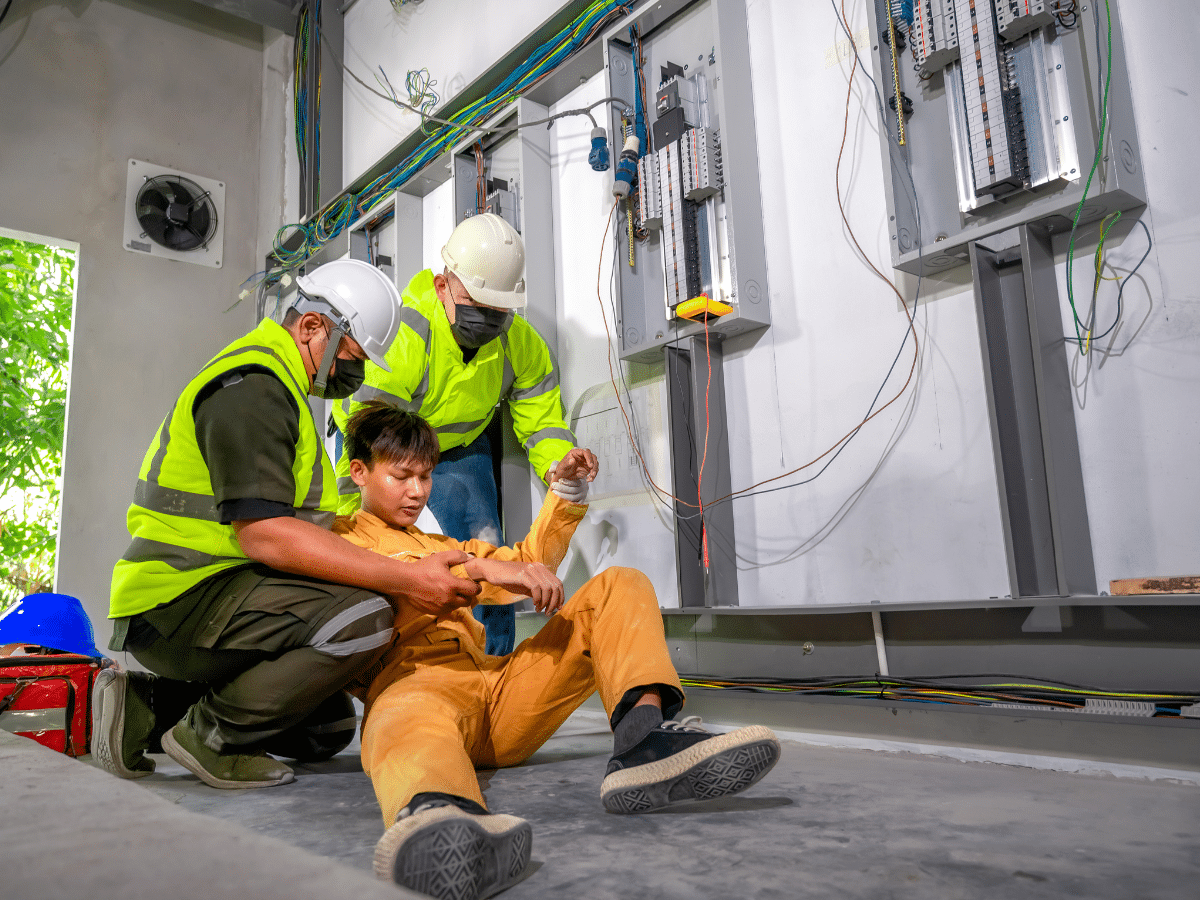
(233, 580)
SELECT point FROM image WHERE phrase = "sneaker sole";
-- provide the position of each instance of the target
(723, 765)
(108, 731)
(454, 855)
(176, 751)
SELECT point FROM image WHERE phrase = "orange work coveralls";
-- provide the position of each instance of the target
(438, 707)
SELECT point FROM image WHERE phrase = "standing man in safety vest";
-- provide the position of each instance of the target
(233, 578)
(461, 349)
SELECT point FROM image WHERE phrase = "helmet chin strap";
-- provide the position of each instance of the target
(321, 376)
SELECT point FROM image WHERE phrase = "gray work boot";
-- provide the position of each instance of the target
(223, 770)
(441, 850)
(680, 761)
(121, 722)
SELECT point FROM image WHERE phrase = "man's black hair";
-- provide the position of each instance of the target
(380, 432)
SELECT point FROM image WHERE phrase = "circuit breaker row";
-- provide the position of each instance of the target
(675, 182)
(935, 28)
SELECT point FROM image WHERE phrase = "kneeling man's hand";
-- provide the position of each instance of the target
(437, 589)
(530, 579)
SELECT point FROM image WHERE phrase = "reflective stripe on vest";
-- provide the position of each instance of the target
(177, 537)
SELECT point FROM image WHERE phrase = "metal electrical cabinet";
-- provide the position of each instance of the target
(690, 260)
(697, 201)
(1001, 105)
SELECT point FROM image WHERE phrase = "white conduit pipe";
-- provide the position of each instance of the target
(880, 652)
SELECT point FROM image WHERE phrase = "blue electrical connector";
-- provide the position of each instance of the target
(626, 167)
(599, 155)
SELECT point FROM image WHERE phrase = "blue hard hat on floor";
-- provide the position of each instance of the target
(55, 621)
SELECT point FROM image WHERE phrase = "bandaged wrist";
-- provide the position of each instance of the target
(573, 490)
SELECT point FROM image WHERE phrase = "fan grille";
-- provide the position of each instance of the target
(175, 212)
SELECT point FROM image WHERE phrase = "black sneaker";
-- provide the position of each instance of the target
(680, 761)
(446, 852)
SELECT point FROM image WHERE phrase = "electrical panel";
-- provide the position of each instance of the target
(993, 109)
(690, 244)
(487, 179)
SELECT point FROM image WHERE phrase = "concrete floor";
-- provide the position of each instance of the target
(825, 823)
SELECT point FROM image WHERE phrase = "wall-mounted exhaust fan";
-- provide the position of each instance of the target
(173, 214)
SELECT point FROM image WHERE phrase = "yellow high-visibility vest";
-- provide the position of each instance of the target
(458, 399)
(177, 536)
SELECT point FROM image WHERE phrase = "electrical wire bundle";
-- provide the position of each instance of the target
(305, 47)
(960, 690)
(348, 208)
(873, 411)
(419, 85)
(1064, 9)
(1085, 328)
(480, 178)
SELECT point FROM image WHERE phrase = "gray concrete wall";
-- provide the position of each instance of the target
(88, 84)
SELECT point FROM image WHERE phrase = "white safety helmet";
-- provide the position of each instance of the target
(360, 295)
(488, 256)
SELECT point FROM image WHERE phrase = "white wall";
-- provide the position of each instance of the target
(88, 84)
(1138, 404)
(456, 41)
(925, 524)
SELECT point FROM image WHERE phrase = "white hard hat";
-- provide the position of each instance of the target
(361, 295)
(488, 256)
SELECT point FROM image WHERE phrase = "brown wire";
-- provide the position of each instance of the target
(842, 209)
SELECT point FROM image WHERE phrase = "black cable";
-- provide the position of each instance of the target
(7, 6)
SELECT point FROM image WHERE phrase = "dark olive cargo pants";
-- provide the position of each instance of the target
(264, 647)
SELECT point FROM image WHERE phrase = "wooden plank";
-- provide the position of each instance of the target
(1178, 584)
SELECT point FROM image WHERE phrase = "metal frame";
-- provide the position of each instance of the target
(280, 14)
(1038, 470)
(1112, 643)
(696, 400)
(944, 232)
(642, 324)
(537, 229)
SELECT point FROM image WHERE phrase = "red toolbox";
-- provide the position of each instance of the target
(48, 698)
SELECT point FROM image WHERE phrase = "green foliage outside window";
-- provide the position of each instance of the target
(37, 287)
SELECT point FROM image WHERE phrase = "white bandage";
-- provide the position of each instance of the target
(573, 490)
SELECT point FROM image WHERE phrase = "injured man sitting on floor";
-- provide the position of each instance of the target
(438, 707)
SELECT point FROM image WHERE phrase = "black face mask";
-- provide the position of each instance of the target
(346, 378)
(474, 326)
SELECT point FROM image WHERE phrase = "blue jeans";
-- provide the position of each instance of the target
(465, 501)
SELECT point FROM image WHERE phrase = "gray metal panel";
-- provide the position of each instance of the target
(632, 284)
(828, 609)
(700, 467)
(280, 14)
(643, 319)
(1016, 425)
(537, 230)
(409, 231)
(945, 233)
(1168, 743)
(1038, 470)
(516, 475)
(537, 223)
(1064, 470)
(1121, 648)
(739, 141)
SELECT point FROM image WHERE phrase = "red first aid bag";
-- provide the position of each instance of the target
(48, 698)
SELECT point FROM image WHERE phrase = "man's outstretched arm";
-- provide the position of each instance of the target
(302, 548)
